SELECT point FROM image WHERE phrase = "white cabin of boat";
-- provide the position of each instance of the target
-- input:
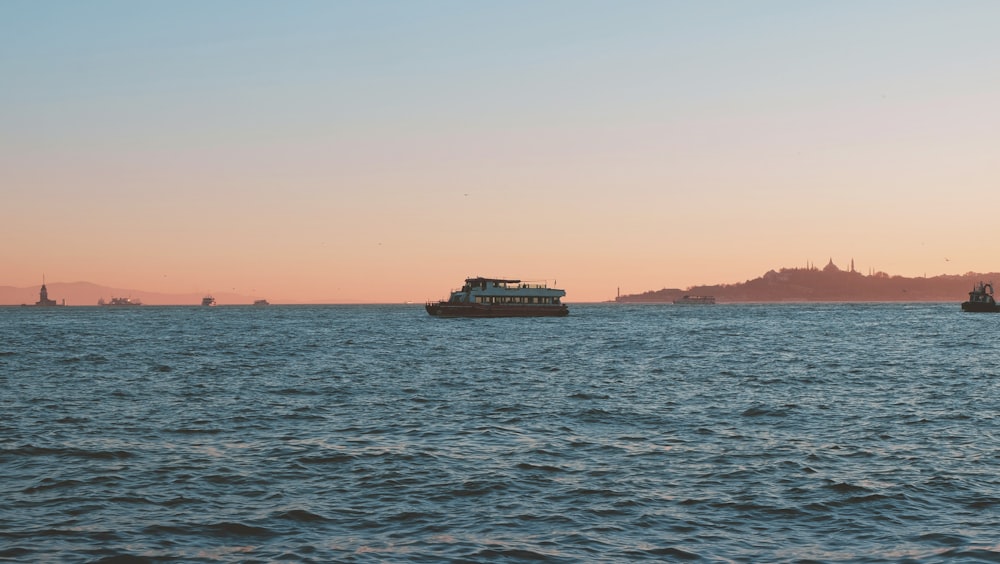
(481, 290)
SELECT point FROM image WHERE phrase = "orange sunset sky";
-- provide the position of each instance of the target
(347, 152)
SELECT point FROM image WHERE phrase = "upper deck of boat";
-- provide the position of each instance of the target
(481, 285)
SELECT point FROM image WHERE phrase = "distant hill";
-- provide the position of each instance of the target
(828, 285)
(87, 294)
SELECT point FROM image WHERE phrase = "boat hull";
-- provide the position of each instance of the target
(980, 307)
(445, 309)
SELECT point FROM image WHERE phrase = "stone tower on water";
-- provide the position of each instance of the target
(43, 296)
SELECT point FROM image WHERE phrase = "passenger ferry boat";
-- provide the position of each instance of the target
(208, 301)
(495, 297)
(981, 299)
(695, 300)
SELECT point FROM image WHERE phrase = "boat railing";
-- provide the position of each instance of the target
(509, 286)
(525, 286)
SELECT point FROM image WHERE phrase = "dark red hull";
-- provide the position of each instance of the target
(980, 307)
(445, 309)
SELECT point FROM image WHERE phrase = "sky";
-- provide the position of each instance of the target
(383, 151)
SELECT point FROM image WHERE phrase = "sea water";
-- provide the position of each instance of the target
(726, 433)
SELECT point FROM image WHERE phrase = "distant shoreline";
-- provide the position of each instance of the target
(829, 285)
(787, 285)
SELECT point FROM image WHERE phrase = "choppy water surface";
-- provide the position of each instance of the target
(741, 433)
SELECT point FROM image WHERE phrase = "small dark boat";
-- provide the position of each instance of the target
(981, 299)
(695, 300)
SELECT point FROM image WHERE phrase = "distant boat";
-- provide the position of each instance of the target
(493, 297)
(119, 302)
(261, 303)
(695, 300)
(208, 301)
(981, 299)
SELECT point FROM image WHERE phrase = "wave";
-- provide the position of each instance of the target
(123, 559)
(419, 443)
(668, 553)
(327, 459)
(767, 411)
(235, 529)
(517, 555)
(844, 487)
(31, 450)
(301, 516)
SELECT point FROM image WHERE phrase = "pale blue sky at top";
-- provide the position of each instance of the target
(356, 119)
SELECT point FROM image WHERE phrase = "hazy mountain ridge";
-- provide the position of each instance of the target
(786, 285)
(828, 285)
(88, 293)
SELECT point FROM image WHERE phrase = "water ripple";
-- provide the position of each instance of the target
(807, 432)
